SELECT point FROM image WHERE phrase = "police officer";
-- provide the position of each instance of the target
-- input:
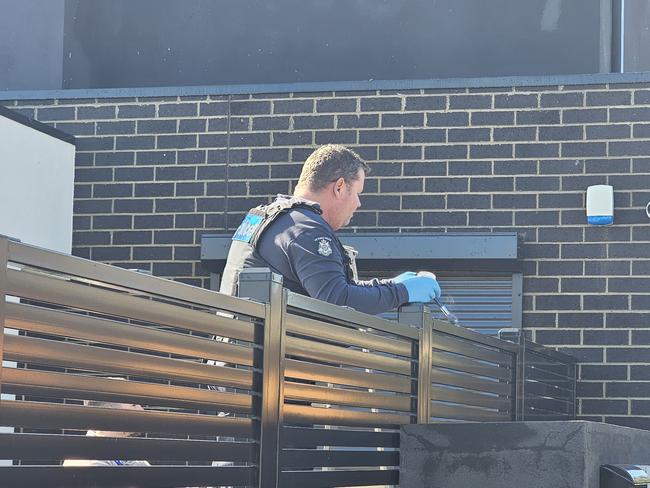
(295, 237)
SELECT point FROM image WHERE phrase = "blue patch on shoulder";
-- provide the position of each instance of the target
(247, 228)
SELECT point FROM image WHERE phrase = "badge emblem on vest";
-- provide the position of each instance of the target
(324, 246)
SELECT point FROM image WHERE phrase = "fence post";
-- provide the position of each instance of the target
(4, 256)
(520, 381)
(419, 315)
(263, 285)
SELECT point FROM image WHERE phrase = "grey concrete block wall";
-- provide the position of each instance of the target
(153, 174)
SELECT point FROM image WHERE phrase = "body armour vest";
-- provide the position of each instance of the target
(261, 222)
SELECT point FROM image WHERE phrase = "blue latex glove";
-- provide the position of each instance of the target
(403, 277)
(422, 289)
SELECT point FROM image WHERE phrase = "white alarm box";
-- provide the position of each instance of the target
(600, 205)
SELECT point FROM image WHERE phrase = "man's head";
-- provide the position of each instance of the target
(333, 176)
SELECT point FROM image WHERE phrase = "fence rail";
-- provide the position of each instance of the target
(293, 391)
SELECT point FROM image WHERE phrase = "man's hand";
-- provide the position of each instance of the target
(422, 288)
(403, 277)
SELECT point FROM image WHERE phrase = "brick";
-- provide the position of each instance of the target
(639, 372)
(94, 238)
(439, 219)
(379, 137)
(174, 237)
(364, 219)
(538, 117)
(526, 217)
(337, 105)
(640, 267)
(593, 251)
(136, 111)
(560, 268)
(172, 269)
(425, 168)
(113, 128)
(584, 354)
(154, 189)
(490, 219)
(580, 182)
(557, 302)
(357, 121)
(313, 122)
(468, 135)
(580, 319)
(133, 205)
(213, 108)
(515, 167)
(250, 140)
(401, 185)
(112, 190)
(400, 152)
(191, 157)
(561, 200)
(402, 120)
(470, 102)
(214, 204)
(77, 128)
(423, 202)
(609, 97)
(593, 285)
(563, 337)
(55, 113)
(633, 114)
(93, 174)
(639, 337)
(152, 253)
(155, 157)
(96, 113)
(385, 169)
(542, 251)
(110, 253)
(589, 389)
(191, 125)
(641, 97)
(469, 168)
(541, 285)
(156, 126)
(606, 338)
(625, 320)
(604, 407)
(467, 201)
(270, 123)
(112, 222)
(607, 166)
(93, 206)
(190, 189)
(114, 159)
(628, 284)
(514, 201)
(177, 110)
(536, 183)
(630, 250)
(514, 133)
(95, 143)
(604, 268)
(293, 138)
(491, 184)
(137, 142)
(606, 302)
(609, 131)
(447, 119)
(425, 103)
(422, 135)
(176, 142)
(490, 151)
(250, 108)
(493, 118)
(189, 221)
(629, 148)
(446, 152)
(132, 237)
(380, 202)
(516, 100)
(561, 133)
(552, 100)
(381, 104)
(175, 205)
(400, 219)
(293, 106)
(537, 150)
(164, 173)
(607, 234)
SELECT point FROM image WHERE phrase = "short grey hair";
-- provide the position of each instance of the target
(329, 163)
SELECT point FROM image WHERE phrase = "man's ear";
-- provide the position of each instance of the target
(339, 186)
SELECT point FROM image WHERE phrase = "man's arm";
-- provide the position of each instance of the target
(319, 266)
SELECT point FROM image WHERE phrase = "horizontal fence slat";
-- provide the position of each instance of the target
(461, 412)
(77, 295)
(548, 404)
(343, 376)
(306, 458)
(470, 349)
(112, 476)
(305, 436)
(331, 313)
(323, 330)
(441, 327)
(93, 270)
(467, 397)
(59, 385)
(533, 373)
(328, 479)
(62, 354)
(317, 351)
(470, 382)
(324, 394)
(56, 446)
(443, 360)
(59, 416)
(299, 414)
(82, 327)
(544, 389)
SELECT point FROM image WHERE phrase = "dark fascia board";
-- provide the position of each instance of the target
(34, 124)
(384, 251)
(328, 86)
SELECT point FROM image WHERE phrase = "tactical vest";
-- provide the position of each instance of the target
(249, 232)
